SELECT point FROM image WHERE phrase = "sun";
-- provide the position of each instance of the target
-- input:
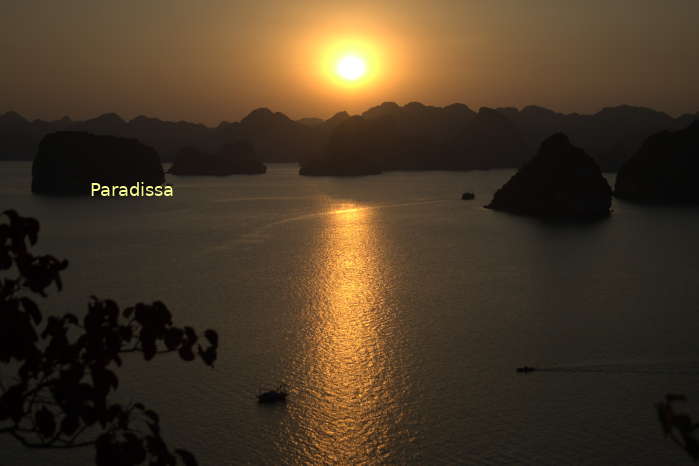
(351, 67)
(350, 64)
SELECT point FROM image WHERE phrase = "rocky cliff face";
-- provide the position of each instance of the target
(67, 162)
(351, 150)
(419, 137)
(560, 181)
(236, 158)
(489, 140)
(664, 170)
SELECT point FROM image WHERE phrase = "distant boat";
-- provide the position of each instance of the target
(273, 396)
(526, 369)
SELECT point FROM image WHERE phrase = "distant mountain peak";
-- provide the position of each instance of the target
(225, 124)
(537, 110)
(261, 111)
(560, 181)
(264, 116)
(459, 107)
(490, 114)
(555, 141)
(389, 104)
(143, 119)
(339, 116)
(625, 107)
(486, 110)
(385, 109)
(415, 106)
(108, 118)
(13, 117)
(616, 111)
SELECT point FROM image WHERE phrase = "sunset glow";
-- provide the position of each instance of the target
(349, 232)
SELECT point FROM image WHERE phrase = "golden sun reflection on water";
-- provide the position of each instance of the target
(351, 403)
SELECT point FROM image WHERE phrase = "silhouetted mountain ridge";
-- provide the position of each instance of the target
(664, 170)
(449, 137)
(236, 158)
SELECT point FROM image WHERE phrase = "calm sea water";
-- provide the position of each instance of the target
(395, 312)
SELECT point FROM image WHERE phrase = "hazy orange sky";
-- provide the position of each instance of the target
(215, 60)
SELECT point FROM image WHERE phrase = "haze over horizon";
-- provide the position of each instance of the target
(216, 61)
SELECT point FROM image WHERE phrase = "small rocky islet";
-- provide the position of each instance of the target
(68, 162)
(561, 181)
(664, 170)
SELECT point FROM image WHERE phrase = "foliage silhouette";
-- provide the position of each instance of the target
(63, 368)
(678, 426)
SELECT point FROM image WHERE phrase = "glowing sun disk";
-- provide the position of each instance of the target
(351, 67)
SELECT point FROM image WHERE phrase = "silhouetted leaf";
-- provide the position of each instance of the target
(32, 229)
(186, 353)
(88, 414)
(208, 355)
(69, 424)
(105, 451)
(682, 422)
(173, 338)
(12, 402)
(191, 335)
(67, 356)
(45, 422)
(152, 415)
(141, 315)
(111, 311)
(161, 314)
(187, 458)
(212, 336)
(126, 333)
(5, 260)
(692, 447)
(154, 428)
(665, 417)
(132, 451)
(149, 350)
(104, 380)
(32, 309)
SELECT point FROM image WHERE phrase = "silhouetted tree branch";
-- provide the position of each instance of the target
(63, 370)
(678, 426)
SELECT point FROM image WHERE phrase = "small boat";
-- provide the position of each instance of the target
(273, 396)
(526, 369)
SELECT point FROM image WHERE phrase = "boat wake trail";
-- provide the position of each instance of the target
(684, 369)
(261, 233)
(346, 208)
